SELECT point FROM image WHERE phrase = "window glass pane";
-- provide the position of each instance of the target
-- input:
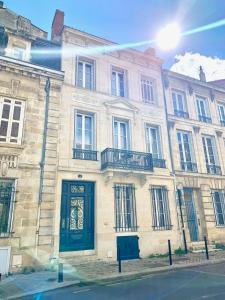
(16, 113)
(5, 111)
(114, 83)
(3, 128)
(121, 84)
(88, 76)
(15, 129)
(79, 132)
(80, 74)
(123, 136)
(180, 102)
(6, 196)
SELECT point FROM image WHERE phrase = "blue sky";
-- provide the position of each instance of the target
(124, 21)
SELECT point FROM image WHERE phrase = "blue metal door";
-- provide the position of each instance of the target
(128, 247)
(77, 216)
(191, 214)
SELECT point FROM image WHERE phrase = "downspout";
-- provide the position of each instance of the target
(42, 162)
(172, 165)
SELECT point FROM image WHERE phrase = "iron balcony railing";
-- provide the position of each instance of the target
(222, 122)
(189, 166)
(204, 119)
(84, 154)
(125, 159)
(181, 114)
(159, 163)
(213, 169)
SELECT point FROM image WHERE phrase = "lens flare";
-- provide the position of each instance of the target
(169, 37)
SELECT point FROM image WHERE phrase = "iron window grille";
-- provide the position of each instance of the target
(189, 166)
(204, 119)
(181, 114)
(218, 197)
(160, 209)
(159, 163)
(213, 169)
(84, 154)
(125, 204)
(7, 195)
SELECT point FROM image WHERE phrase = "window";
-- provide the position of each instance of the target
(210, 153)
(18, 52)
(121, 135)
(11, 126)
(160, 208)
(147, 89)
(118, 82)
(221, 109)
(126, 219)
(85, 73)
(186, 152)
(153, 141)
(219, 206)
(7, 194)
(203, 110)
(179, 104)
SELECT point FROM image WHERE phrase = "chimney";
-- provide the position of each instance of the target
(57, 25)
(202, 74)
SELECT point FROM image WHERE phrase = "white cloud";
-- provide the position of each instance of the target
(188, 64)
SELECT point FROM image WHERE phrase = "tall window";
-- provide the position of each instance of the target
(7, 194)
(153, 141)
(179, 104)
(126, 219)
(210, 153)
(186, 152)
(18, 52)
(84, 137)
(160, 208)
(11, 121)
(147, 89)
(85, 73)
(118, 82)
(221, 109)
(219, 206)
(203, 110)
(121, 135)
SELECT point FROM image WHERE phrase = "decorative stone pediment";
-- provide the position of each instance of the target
(121, 104)
(8, 161)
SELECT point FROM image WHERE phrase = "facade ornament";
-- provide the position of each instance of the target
(166, 82)
(219, 133)
(190, 89)
(8, 161)
(171, 124)
(196, 129)
(212, 95)
(15, 84)
(202, 76)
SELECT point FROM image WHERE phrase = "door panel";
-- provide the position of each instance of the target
(77, 216)
(191, 214)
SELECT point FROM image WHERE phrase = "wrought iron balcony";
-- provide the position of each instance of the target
(204, 119)
(222, 122)
(189, 166)
(84, 154)
(159, 163)
(213, 169)
(181, 114)
(125, 159)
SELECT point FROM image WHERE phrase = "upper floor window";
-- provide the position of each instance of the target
(84, 135)
(210, 152)
(203, 110)
(18, 52)
(85, 73)
(219, 206)
(11, 126)
(121, 134)
(179, 104)
(154, 147)
(147, 89)
(187, 158)
(221, 109)
(118, 82)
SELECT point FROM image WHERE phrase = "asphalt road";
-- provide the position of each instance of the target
(206, 282)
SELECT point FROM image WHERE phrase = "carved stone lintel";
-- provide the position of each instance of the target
(196, 129)
(7, 161)
(15, 84)
(219, 133)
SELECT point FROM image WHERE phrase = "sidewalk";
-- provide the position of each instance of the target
(97, 272)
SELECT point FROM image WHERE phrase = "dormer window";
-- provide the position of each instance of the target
(18, 52)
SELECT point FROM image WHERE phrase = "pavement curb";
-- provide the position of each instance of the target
(118, 277)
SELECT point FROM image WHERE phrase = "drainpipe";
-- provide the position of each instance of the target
(172, 166)
(42, 162)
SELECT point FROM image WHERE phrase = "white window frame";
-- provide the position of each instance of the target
(118, 71)
(191, 146)
(222, 203)
(127, 131)
(84, 114)
(13, 103)
(150, 84)
(215, 154)
(183, 95)
(85, 61)
(206, 107)
(221, 107)
(148, 138)
(16, 49)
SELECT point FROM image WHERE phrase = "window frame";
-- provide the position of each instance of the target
(128, 132)
(221, 193)
(148, 127)
(204, 100)
(85, 61)
(117, 93)
(221, 115)
(184, 101)
(190, 144)
(152, 86)
(12, 103)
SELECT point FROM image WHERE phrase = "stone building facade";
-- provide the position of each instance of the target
(29, 121)
(196, 120)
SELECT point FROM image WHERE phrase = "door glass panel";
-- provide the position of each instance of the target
(77, 213)
(77, 188)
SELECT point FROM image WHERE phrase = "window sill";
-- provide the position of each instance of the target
(10, 145)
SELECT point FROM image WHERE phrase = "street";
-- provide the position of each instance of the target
(205, 282)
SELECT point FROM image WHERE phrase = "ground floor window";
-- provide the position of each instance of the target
(219, 206)
(6, 203)
(125, 204)
(160, 208)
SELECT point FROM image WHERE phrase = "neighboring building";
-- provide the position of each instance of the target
(29, 102)
(114, 175)
(196, 124)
